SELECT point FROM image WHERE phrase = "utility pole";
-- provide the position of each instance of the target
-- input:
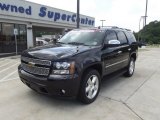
(145, 22)
(78, 9)
(102, 22)
(139, 34)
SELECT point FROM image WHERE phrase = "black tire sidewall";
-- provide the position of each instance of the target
(82, 93)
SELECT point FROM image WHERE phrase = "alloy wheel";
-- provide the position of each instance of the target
(92, 87)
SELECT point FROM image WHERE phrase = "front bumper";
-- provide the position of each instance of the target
(57, 85)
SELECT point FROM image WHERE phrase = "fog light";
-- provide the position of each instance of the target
(63, 91)
(60, 72)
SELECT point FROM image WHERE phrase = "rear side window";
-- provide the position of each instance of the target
(111, 35)
(122, 37)
(131, 37)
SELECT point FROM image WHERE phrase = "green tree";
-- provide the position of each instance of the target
(150, 33)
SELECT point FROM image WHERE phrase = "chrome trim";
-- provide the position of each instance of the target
(119, 52)
(36, 61)
(35, 70)
(125, 46)
(116, 63)
(129, 49)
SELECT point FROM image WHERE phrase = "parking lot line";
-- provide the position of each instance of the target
(4, 60)
(8, 75)
(9, 67)
(6, 64)
(9, 79)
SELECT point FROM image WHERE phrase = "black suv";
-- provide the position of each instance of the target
(76, 64)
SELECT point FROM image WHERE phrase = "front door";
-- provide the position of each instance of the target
(111, 56)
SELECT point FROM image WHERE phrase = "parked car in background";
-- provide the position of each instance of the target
(41, 42)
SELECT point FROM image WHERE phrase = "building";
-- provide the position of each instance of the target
(22, 21)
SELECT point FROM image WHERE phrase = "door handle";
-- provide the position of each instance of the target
(129, 49)
(119, 52)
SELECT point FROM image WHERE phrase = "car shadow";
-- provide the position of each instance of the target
(107, 82)
(53, 100)
(112, 80)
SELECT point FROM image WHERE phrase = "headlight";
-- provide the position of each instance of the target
(60, 68)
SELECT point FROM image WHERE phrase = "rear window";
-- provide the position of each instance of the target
(131, 37)
(121, 37)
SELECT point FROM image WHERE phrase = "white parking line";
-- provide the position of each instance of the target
(6, 64)
(4, 59)
(9, 79)
(9, 67)
(8, 75)
(1, 61)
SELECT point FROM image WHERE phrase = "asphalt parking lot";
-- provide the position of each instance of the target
(135, 98)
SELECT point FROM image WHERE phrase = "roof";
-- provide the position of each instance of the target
(105, 28)
(113, 28)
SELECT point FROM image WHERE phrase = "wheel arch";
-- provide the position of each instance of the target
(134, 55)
(96, 66)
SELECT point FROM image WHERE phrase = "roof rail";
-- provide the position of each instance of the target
(109, 27)
(113, 27)
(125, 29)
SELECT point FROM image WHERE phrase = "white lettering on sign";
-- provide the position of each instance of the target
(15, 32)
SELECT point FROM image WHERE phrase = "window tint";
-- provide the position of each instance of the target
(86, 37)
(111, 35)
(7, 38)
(121, 37)
(0, 28)
(130, 37)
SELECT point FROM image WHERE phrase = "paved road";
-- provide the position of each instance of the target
(8, 68)
(135, 98)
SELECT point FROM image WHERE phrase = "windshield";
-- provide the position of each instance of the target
(83, 37)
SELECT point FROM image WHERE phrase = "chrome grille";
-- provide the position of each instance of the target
(36, 61)
(35, 70)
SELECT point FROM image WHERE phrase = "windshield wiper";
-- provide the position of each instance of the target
(76, 43)
(61, 42)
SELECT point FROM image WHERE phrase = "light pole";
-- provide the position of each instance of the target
(78, 7)
(142, 17)
(145, 22)
(102, 22)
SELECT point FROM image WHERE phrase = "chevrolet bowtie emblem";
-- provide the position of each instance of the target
(31, 64)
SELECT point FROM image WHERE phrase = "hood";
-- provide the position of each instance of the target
(58, 51)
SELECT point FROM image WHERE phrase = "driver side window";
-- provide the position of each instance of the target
(111, 35)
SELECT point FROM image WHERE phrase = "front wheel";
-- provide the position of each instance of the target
(130, 68)
(90, 87)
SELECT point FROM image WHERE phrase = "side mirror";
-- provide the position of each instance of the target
(113, 43)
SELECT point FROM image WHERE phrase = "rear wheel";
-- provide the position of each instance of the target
(130, 68)
(90, 87)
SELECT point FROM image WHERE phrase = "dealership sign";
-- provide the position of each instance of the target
(36, 11)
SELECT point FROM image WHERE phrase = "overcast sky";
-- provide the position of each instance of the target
(121, 13)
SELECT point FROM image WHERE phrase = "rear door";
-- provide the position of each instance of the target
(123, 49)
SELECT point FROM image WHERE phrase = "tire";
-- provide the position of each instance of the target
(90, 86)
(130, 68)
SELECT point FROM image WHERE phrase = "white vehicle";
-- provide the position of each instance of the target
(40, 42)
